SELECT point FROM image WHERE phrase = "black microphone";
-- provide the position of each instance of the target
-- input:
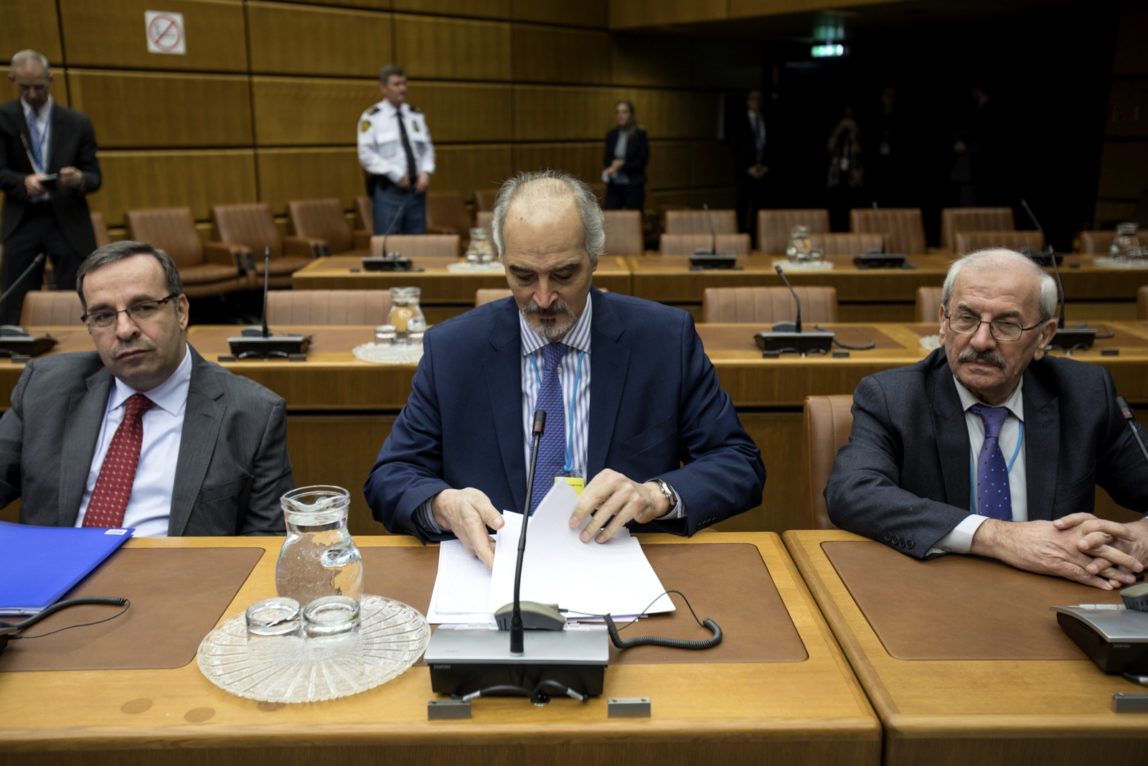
(258, 342)
(391, 225)
(880, 225)
(780, 273)
(879, 259)
(713, 232)
(709, 259)
(516, 628)
(1126, 413)
(1081, 337)
(783, 337)
(387, 261)
(37, 261)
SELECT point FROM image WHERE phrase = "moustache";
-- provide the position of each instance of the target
(557, 307)
(972, 355)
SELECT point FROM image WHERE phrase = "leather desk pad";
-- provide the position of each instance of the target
(958, 607)
(177, 595)
(727, 582)
(733, 337)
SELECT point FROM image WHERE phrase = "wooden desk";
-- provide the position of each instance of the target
(445, 293)
(810, 711)
(874, 295)
(977, 697)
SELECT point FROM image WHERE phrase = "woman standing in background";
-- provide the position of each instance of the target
(625, 158)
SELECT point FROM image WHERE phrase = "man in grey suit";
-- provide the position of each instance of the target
(212, 457)
(990, 447)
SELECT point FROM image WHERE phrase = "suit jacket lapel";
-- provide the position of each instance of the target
(1041, 446)
(610, 362)
(56, 134)
(503, 376)
(201, 422)
(82, 429)
(952, 434)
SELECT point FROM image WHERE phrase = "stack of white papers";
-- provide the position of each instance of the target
(585, 579)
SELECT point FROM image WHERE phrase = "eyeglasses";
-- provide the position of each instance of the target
(139, 312)
(965, 323)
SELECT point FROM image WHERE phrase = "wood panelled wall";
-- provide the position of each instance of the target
(264, 104)
(1122, 190)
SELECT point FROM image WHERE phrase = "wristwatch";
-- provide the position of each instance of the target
(671, 496)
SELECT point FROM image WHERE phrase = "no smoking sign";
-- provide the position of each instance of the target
(165, 32)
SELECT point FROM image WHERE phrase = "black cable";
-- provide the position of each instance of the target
(670, 643)
(127, 604)
(871, 344)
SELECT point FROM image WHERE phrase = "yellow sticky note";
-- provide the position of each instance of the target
(577, 483)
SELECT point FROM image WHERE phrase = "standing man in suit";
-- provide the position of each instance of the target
(634, 409)
(47, 164)
(751, 162)
(397, 155)
(990, 447)
(143, 432)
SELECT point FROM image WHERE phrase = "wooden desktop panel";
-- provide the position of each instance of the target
(442, 48)
(811, 711)
(941, 709)
(295, 39)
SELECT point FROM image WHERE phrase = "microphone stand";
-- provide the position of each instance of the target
(782, 339)
(259, 343)
(879, 259)
(15, 342)
(1065, 338)
(702, 259)
(389, 261)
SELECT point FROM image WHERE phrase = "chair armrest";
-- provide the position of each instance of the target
(229, 255)
(362, 239)
(306, 247)
(432, 229)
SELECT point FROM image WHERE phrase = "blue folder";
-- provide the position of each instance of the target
(38, 565)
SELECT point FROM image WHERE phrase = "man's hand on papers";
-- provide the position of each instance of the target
(614, 498)
(468, 513)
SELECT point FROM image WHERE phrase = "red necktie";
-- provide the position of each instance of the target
(118, 472)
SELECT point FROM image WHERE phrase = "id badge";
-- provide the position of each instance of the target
(577, 483)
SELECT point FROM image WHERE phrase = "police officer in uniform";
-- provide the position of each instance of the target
(397, 155)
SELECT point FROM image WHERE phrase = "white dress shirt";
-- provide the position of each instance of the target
(381, 144)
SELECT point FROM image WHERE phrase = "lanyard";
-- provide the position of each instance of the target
(568, 467)
(972, 466)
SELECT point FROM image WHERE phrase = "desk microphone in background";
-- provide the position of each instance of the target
(1126, 413)
(389, 261)
(258, 342)
(790, 337)
(11, 330)
(879, 259)
(710, 259)
(15, 342)
(1067, 338)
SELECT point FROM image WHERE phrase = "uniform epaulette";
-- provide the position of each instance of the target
(373, 110)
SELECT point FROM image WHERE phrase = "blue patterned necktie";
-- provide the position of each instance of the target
(993, 497)
(552, 446)
(34, 133)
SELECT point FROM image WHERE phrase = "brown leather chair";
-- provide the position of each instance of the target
(1096, 242)
(447, 214)
(845, 243)
(46, 308)
(418, 245)
(827, 423)
(250, 225)
(303, 307)
(928, 306)
(695, 221)
(211, 268)
(484, 199)
(904, 229)
(489, 294)
(623, 232)
(366, 214)
(955, 219)
(101, 229)
(323, 219)
(775, 226)
(688, 244)
(768, 304)
(971, 241)
(1142, 302)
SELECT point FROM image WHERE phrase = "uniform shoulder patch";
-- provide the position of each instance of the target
(364, 126)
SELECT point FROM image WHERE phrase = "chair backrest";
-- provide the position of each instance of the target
(322, 218)
(904, 228)
(418, 245)
(827, 423)
(446, 210)
(845, 243)
(955, 219)
(695, 222)
(971, 241)
(1096, 241)
(100, 228)
(328, 307)
(928, 305)
(484, 199)
(623, 232)
(768, 304)
(366, 214)
(775, 226)
(43, 308)
(1142, 302)
(171, 229)
(688, 244)
(488, 294)
(249, 224)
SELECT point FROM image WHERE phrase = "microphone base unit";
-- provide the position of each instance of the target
(386, 263)
(271, 347)
(879, 261)
(798, 342)
(707, 260)
(24, 347)
(1113, 636)
(1073, 338)
(1043, 258)
(471, 660)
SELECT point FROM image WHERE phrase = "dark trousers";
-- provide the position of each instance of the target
(37, 233)
(386, 201)
(625, 196)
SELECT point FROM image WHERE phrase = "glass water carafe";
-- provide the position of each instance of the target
(319, 558)
(1125, 244)
(800, 246)
(406, 314)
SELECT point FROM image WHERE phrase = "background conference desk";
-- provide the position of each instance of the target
(340, 409)
(875, 295)
(962, 659)
(804, 708)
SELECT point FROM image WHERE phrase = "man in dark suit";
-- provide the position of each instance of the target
(209, 454)
(751, 150)
(47, 164)
(635, 410)
(990, 447)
